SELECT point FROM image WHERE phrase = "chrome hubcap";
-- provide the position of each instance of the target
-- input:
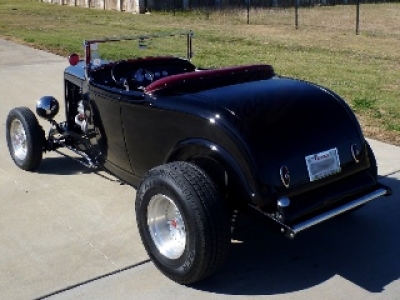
(18, 139)
(166, 226)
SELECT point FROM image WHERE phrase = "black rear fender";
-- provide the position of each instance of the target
(221, 167)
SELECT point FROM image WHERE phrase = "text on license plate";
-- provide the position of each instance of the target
(323, 164)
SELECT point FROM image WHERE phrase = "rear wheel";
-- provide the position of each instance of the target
(182, 221)
(25, 138)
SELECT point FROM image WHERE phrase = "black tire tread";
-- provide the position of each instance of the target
(215, 213)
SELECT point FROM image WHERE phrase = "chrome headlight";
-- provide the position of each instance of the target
(47, 107)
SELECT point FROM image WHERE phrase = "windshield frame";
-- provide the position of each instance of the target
(141, 41)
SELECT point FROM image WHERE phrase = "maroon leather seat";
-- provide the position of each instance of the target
(191, 82)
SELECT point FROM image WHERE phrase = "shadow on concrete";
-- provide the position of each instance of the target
(362, 247)
(62, 166)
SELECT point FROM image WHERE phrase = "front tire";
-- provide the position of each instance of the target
(25, 138)
(182, 221)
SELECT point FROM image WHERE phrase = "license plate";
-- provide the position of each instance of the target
(323, 164)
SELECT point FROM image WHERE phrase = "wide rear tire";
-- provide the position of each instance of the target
(25, 138)
(182, 221)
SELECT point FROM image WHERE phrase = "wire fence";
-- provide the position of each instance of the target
(259, 12)
(187, 5)
(212, 5)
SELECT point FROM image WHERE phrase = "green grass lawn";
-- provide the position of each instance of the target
(364, 69)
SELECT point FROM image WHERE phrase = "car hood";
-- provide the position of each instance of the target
(282, 120)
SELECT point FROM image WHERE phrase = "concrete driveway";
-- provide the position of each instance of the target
(69, 233)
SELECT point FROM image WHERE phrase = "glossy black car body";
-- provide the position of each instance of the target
(291, 150)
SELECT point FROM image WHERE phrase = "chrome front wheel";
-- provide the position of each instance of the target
(18, 139)
(25, 138)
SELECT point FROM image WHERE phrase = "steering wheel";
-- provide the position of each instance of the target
(117, 72)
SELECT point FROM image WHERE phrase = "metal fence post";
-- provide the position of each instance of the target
(248, 11)
(357, 17)
(296, 13)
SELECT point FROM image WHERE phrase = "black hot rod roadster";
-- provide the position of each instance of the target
(199, 144)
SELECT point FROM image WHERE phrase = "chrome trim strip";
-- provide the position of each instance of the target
(337, 211)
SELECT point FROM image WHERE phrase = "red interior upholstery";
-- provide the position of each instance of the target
(208, 79)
